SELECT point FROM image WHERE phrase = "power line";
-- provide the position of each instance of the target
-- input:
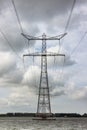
(62, 70)
(9, 44)
(66, 27)
(17, 16)
(18, 19)
(68, 21)
(73, 51)
(71, 11)
(26, 80)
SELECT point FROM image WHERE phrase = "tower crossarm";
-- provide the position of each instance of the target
(28, 37)
(43, 54)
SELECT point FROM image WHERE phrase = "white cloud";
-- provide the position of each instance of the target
(32, 78)
(60, 60)
(7, 63)
(80, 93)
(20, 96)
(3, 102)
(76, 92)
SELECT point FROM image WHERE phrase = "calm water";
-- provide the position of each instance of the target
(23, 123)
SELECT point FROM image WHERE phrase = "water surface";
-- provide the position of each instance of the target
(23, 123)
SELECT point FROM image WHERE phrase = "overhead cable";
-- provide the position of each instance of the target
(17, 16)
(70, 15)
(68, 21)
(9, 44)
(73, 51)
(16, 12)
(62, 70)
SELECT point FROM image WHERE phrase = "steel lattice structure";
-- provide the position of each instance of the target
(44, 107)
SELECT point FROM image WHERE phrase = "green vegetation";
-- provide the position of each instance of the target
(34, 114)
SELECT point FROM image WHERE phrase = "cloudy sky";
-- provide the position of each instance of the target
(19, 79)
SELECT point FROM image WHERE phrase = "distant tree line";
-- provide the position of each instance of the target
(18, 115)
(34, 114)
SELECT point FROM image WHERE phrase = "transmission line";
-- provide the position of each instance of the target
(9, 44)
(73, 51)
(62, 70)
(70, 15)
(66, 27)
(69, 18)
(16, 12)
(18, 19)
(26, 79)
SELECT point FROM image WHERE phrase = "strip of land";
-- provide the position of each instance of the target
(34, 114)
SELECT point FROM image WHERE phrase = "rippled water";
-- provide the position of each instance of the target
(23, 123)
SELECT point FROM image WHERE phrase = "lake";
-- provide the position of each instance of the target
(26, 123)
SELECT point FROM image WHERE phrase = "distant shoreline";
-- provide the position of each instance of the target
(34, 114)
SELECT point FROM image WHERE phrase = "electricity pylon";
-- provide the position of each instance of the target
(44, 107)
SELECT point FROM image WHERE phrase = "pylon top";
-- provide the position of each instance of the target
(44, 37)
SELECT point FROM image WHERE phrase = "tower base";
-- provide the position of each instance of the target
(39, 118)
(44, 116)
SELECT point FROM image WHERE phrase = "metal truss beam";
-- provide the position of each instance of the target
(43, 38)
(44, 54)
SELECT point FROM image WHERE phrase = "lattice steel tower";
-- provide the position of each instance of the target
(44, 107)
(44, 96)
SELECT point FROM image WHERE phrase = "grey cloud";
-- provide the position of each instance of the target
(68, 61)
(76, 93)
(53, 14)
(7, 64)
(57, 81)
(45, 11)
(15, 77)
(9, 24)
(57, 92)
(3, 102)
(31, 78)
(12, 79)
(20, 97)
(31, 12)
(3, 4)
(17, 98)
(42, 10)
(16, 41)
(61, 61)
(9, 72)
